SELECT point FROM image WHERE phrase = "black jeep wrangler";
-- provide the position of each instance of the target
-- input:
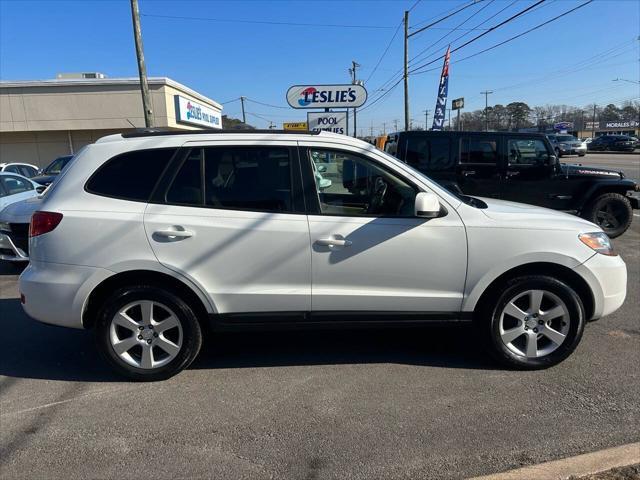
(521, 167)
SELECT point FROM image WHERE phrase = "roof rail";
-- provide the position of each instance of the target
(153, 132)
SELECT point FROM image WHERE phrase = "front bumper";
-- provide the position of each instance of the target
(607, 278)
(9, 251)
(573, 150)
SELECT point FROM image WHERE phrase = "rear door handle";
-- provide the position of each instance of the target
(174, 233)
(333, 242)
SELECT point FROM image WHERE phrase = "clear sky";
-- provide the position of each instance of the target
(570, 61)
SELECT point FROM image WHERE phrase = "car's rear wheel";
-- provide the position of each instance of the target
(533, 322)
(612, 212)
(147, 333)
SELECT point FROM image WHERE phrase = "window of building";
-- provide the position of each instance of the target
(130, 175)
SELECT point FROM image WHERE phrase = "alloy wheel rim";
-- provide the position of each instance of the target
(146, 334)
(609, 216)
(534, 323)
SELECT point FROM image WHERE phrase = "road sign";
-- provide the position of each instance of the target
(327, 96)
(335, 122)
(297, 126)
(457, 104)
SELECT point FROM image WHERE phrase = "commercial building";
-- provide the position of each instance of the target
(41, 120)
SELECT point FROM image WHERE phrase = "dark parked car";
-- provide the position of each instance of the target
(52, 170)
(521, 167)
(612, 143)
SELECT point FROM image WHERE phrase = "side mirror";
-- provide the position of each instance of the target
(427, 205)
(321, 168)
(40, 189)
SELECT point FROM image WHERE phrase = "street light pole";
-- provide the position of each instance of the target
(142, 69)
(426, 119)
(486, 94)
(593, 123)
(406, 70)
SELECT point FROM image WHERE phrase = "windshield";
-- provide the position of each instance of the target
(57, 165)
(566, 138)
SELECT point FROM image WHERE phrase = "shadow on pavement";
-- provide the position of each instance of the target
(35, 350)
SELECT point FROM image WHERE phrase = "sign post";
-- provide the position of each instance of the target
(458, 104)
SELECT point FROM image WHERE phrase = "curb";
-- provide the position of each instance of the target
(578, 466)
(612, 152)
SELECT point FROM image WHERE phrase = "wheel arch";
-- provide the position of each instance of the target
(602, 188)
(147, 277)
(561, 272)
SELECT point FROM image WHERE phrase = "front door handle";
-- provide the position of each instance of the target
(333, 242)
(173, 233)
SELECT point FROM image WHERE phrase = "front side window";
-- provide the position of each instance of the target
(429, 154)
(482, 150)
(253, 179)
(57, 165)
(527, 152)
(351, 185)
(130, 175)
(13, 185)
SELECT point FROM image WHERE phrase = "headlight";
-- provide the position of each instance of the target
(598, 241)
(5, 227)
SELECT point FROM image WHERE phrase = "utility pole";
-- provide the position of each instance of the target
(426, 119)
(142, 69)
(352, 71)
(395, 125)
(384, 128)
(593, 123)
(486, 94)
(244, 117)
(371, 129)
(458, 121)
(406, 70)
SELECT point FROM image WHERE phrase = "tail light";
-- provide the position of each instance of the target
(43, 222)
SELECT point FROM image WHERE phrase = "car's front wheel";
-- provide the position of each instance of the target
(147, 333)
(533, 322)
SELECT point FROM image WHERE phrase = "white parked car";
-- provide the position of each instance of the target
(14, 229)
(151, 237)
(24, 169)
(14, 188)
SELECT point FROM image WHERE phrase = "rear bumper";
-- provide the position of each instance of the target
(9, 251)
(56, 293)
(607, 278)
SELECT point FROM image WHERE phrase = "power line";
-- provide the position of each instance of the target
(504, 22)
(516, 36)
(266, 104)
(264, 22)
(467, 33)
(395, 34)
(445, 17)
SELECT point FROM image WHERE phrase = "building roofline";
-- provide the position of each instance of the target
(65, 82)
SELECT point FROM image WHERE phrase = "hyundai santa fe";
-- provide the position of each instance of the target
(150, 237)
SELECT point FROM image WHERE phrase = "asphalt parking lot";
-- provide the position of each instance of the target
(378, 404)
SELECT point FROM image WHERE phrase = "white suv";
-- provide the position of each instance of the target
(149, 237)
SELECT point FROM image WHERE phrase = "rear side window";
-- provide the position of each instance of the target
(429, 154)
(479, 150)
(131, 175)
(254, 179)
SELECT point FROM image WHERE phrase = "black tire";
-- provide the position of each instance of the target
(191, 332)
(488, 321)
(581, 154)
(604, 208)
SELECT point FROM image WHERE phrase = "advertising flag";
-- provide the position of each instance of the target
(441, 102)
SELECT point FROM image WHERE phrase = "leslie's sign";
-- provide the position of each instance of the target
(326, 96)
(188, 111)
